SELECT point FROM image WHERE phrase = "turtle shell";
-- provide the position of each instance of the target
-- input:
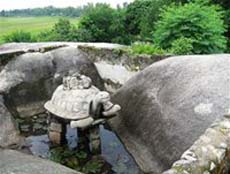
(71, 104)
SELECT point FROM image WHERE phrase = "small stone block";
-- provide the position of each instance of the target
(55, 127)
(55, 137)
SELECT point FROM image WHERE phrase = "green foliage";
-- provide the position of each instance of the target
(185, 27)
(118, 28)
(18, 36)
(97, 21)
(227, 23)
(146, 48)
(63, 27)
(203, 24)
(142, 15)
(46, 35)
(182, 46)
(80, 35)
(134, 15)
(78, 160)
(92, 167)
(34, 25)
(69, 158)
(63, 30)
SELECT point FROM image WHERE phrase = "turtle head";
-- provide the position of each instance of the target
(103, 97)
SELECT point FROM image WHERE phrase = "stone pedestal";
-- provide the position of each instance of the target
(95, 141)
(57, 131)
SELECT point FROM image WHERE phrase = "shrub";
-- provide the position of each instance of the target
(146, 48)
(97, 21)
(63, 30)
(118, 29)
(227, 22)
(201, 23)
(182, 46)
(47, 35)
(18, 36)
(81, 35)
(141, 16)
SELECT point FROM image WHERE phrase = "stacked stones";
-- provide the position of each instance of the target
(35, 125)
(210, 154)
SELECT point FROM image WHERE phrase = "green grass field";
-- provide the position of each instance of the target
(29, 24)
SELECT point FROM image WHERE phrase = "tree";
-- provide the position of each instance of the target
(62, 31)
(46, 11)
(202, 24)
(141, 16)
(3, 13)
(63, 28)
(97, 20)
(118, 28)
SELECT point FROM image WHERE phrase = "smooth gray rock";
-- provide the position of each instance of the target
(114, 75)
(167, 106)
(28, 80)
(8, 132)
(13, 162)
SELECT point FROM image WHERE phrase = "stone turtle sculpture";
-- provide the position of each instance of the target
(78, 103)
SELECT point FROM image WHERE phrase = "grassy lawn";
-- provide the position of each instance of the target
(29, 24)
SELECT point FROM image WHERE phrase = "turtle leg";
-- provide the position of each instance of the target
(95, 141)
(57, 131)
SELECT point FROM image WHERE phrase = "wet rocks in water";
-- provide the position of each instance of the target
(168, 105)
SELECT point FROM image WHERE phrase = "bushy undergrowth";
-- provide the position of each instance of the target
(200, 23)
(146, 48)
(182, 46)
(19, 36)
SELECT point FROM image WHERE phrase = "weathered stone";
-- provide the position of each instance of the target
(55, 137)
(114, 75)
(168, 105)
(25, 127)
(13, 162)
(81, 103)
(8, 132)
(206, 156)
(55, 127)
(94, 138)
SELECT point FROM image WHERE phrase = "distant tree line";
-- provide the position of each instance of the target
(46, 11)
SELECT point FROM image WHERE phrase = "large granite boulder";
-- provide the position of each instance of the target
(168, 105)
(13, 162)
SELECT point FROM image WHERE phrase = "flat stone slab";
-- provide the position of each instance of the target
(14, 162)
